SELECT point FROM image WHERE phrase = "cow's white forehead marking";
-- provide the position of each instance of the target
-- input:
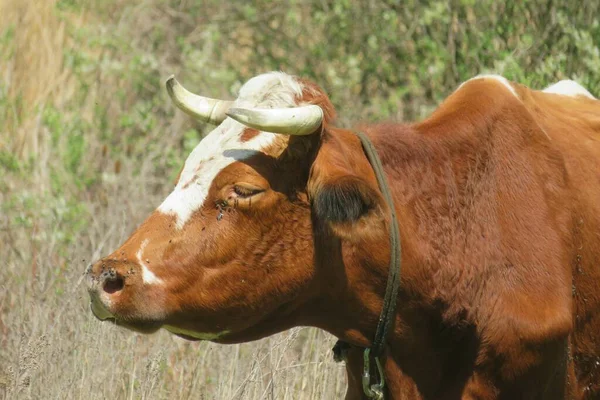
(497, 78)
(211, 155)
(148, 276)
(568, 87)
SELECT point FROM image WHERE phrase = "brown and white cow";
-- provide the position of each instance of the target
(498, 200)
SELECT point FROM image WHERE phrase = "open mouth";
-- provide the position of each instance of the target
(100, 311)
(139, 326)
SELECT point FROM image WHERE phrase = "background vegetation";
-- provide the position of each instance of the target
(90, 144)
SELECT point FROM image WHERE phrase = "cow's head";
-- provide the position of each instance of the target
(230, 253)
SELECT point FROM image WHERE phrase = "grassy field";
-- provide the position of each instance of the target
(90, 144)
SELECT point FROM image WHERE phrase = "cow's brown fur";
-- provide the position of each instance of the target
(498, 200)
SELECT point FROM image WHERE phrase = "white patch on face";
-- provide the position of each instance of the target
(148, 276)
(497, 78)
(197, 335)
(568, 87)
(223, 146)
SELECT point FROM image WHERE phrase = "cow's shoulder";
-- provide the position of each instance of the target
(491, 83)
(475, 106)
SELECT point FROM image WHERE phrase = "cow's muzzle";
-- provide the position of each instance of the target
(103, 281)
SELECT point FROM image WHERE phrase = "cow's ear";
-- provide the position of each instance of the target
(342, 186)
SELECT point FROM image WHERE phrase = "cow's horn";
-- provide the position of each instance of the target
(302, 120)
(204, 108)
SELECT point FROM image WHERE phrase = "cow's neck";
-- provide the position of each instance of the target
(420, 345)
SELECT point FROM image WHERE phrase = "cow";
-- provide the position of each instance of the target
(277, 221)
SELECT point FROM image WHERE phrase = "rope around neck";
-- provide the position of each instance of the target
(388, 312)
(391, 291)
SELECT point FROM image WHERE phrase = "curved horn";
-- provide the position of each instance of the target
(204, 108)
(302, 120)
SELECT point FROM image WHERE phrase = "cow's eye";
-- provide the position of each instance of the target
(246, 191)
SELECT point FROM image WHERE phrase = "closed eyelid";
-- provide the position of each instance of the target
(247, 190)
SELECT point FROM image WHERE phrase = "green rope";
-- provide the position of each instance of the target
(387, 316)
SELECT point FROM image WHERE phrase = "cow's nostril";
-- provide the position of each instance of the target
(113, 285)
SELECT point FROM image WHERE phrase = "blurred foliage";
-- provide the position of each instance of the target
(391, 59)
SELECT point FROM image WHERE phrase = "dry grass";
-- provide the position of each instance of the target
(32, 73)
(59, 210)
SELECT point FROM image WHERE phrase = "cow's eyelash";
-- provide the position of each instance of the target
(244, 192)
